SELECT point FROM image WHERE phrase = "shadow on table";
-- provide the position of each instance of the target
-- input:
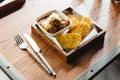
(86, 53)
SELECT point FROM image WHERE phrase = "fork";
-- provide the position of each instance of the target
(24, 46)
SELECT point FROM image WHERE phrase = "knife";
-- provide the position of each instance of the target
(37, 50)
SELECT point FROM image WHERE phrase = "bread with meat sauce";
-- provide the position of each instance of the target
(53, 23)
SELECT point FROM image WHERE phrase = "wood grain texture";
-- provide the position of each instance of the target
(104, 12)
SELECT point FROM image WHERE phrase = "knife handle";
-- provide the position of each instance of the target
(46, 63)
(39, 61)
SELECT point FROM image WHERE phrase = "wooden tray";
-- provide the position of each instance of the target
(10, 7)
(68, 56)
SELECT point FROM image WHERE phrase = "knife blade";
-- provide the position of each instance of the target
(37, 50)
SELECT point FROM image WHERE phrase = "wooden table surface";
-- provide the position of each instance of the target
(104, 12)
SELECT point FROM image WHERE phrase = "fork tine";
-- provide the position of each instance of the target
(18, 39)
(15, 37)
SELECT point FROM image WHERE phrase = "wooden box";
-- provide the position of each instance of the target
(71, 54)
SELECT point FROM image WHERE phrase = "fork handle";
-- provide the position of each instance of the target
(46, 63)
(39, 61)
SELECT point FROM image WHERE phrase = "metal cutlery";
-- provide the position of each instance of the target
(24, 46)
(35, 47)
